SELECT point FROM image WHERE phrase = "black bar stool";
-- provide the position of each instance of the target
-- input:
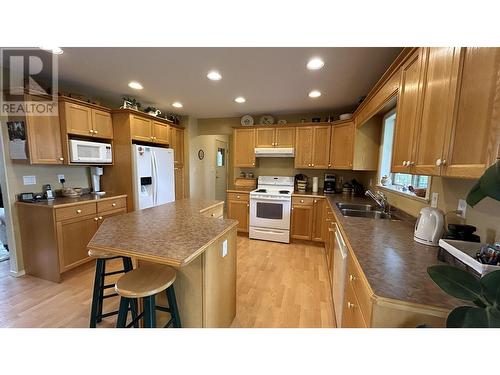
(145, 282)
(98, 296)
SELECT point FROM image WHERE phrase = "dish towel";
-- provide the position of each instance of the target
(488, 185)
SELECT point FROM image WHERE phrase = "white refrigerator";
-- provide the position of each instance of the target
(153, 170)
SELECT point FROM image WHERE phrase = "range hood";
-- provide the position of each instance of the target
(274, 152)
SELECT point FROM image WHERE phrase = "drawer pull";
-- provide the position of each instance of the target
(238, 197)
(352, 278)
(100, 217)
(61, 159)
(95, 131)
(96, 218)
(301, 201)
(213, 215)
(350, 305)
(113, 204)
(78, 211)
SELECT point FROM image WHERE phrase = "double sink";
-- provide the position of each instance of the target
(363, 210)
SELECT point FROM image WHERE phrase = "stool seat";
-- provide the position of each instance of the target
(101, 254)
(145, 281)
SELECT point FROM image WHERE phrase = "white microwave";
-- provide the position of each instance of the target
(90, 152)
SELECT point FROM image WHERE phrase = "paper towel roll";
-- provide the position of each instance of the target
(315, 184)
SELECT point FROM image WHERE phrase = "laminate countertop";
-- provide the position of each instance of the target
(65, 201)
(174, 233)
(393, 263)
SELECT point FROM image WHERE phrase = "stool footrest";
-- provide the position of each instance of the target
(164, 309)
(135, 321)
(110, 295)
(105, 315)
(114, 273)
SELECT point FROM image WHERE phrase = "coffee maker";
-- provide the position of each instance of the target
(96, 173)
(329, 186)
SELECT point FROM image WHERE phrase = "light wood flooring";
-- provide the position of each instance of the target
(279, 285)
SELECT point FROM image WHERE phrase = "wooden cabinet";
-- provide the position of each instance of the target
(83, 119)
(179, 182)
(318, 233)
(312, 147)
(177, 143)
(302, 218)
(342, 146)
(275, 137)
(352, 317)
(304, 147)
(410, 92)
(238, 208)
(44, 138)
(54, 238)
(244, 148)
(161, 132)
(140, 128)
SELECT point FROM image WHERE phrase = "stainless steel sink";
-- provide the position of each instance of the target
(355, 206)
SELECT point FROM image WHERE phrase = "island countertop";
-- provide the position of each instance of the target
(174, 233)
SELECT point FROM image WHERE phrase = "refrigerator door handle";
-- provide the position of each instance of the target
(155, 178)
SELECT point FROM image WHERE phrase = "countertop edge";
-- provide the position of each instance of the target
(69, 204)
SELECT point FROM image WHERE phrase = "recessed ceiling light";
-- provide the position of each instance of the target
(315, 63)
(214, 75)
(240, 99)
(54, 50)
(177, 105)
(135, 85)
(314, 94)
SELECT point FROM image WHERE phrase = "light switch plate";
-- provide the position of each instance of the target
(462, 206)
(29, 180)
(434, 200)
(224, 248)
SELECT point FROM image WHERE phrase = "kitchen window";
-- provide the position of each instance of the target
(409, 184)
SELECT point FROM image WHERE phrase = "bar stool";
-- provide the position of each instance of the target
(145, 282)
(98, 297)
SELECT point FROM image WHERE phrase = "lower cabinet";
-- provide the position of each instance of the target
(318, 220)
(238, 208)
(307, 222)
(54, 238)
(352, 317)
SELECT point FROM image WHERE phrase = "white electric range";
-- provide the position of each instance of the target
(270, 209)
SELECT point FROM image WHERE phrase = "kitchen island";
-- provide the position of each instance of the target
(191, 236)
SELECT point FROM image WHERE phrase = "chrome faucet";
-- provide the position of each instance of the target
(381, 199)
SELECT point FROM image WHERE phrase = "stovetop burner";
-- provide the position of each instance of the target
(284, 192)
(261, 191)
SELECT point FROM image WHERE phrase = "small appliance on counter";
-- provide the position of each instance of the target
(96, 173)
(48, 193)
(462, 232)
(429, 226)
(329, 185)
(357, 188)
(301, 182)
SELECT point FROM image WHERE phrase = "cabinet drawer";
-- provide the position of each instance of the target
(352, 317)
(111, 204)
(304, 201)
(238, 197)
(75, 211)
(216, 212)
(360, 288)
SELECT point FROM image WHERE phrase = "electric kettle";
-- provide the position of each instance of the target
(429, 227)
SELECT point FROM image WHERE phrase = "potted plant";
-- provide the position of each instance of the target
(484, 293)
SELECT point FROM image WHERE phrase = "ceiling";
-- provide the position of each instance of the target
(273, 80)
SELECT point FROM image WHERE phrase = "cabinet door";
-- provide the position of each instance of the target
(102, 124)
(352, 316)
(439, 88)
(321, 147)
(342, 146)
(301, 223)
(179, 182)
(407, 113)
(161, 133)
(474, 140)
(78, 119)
(140, 129)
(264, 137)
(177, 143)
(244, 148)
(304, 146)
(285, 137)
(44, 139)
(318, 220)
(73, 235)
(239, 210)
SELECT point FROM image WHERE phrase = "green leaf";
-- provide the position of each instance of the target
(476, 317)
(456, 282)
(456, 317)
(493, 315)
(490, 286)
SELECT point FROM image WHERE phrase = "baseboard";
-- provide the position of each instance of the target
(18, 273)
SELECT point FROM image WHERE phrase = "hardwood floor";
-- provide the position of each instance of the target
(279, 285)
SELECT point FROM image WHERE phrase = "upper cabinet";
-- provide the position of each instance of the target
(275, 137)
(177, 143)
(342, 146)
(447, 112)
(44, 138)
(84, 119)
(244, 148)
(312, 147)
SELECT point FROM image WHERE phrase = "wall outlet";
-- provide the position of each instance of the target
(462, 207)
(434, 200)
(224, 248)
(29, 180)
(60, 177)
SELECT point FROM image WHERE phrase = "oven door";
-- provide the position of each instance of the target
(271, 213)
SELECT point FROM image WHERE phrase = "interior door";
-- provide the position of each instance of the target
(220, 170)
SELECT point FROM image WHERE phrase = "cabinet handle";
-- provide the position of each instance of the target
(329, 165)
(95, 131)
(213, 215)
(404, 163)
(61, 159)
(312, 165)
(301, 201)
(315, 201)
(444, 162)
(91, 131)
(96, 218)
(308, 165)
(292, 208)
(439, 162)
(331, 230)
(100, 217)
(275, 143)
(248, 205)
(350, 305)
(237, 197)
(78, 211)
(113, 204)
(411, 163)
(352, 278)
(253, 163)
